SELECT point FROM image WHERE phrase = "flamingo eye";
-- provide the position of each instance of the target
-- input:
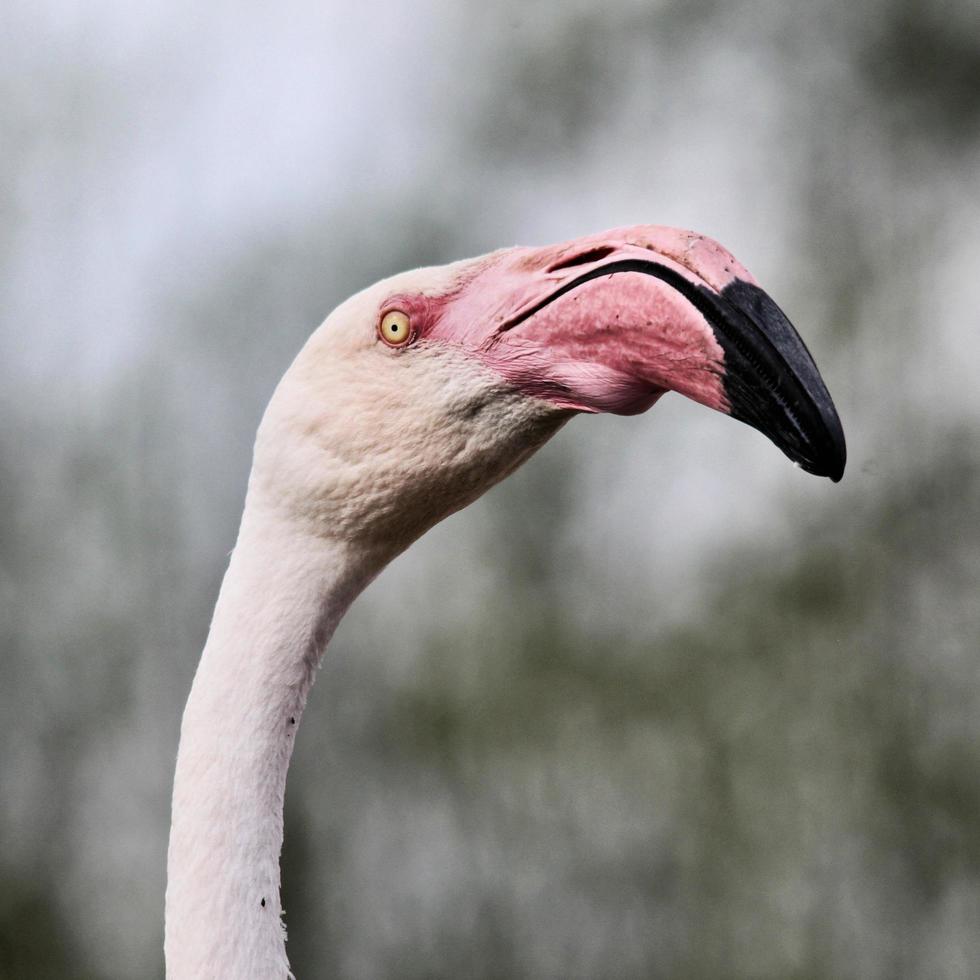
(395, 328)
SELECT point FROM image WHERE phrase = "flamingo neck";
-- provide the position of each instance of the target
(281, 599)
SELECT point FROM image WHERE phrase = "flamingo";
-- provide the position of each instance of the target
(413, 398)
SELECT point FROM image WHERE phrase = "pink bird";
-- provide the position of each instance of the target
(412, 399)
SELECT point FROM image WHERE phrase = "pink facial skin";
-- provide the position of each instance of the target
(612, 344)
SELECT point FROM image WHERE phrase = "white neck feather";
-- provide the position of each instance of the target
(281, 599)
(358, 454)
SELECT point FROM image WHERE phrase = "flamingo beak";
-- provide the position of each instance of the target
(608, 324)
(772, 383)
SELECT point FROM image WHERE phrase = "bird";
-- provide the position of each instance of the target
(410, 400)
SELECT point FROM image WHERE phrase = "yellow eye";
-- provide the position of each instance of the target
(395, 328)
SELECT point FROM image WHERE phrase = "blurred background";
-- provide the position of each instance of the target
(659, 706)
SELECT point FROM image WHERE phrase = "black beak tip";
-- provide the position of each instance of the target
(836, 472)
(830, 463)
(812, 437)
(821, 451)
(831, 449)
(773, 384)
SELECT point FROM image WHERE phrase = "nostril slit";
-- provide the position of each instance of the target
(583, 258)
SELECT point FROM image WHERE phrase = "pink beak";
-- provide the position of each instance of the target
(610, 322)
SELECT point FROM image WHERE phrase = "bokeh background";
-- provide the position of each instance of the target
(660, 706)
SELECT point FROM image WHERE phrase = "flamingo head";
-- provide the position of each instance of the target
(420, 392)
